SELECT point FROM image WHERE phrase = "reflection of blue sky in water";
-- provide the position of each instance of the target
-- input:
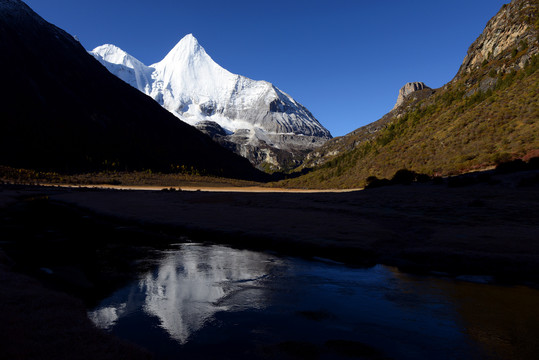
(203, 300)
(190, 286)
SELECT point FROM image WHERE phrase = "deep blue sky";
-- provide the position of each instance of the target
(345, 60)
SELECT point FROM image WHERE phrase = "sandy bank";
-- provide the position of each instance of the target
(241, 189)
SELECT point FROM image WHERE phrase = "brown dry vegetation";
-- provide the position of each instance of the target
(446, 134)
(11, 175)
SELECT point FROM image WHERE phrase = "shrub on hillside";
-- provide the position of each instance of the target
(404, 177)
(422, 178)
(511, 166)
(374, 182)
(501, 157)
(533, 163)
(401, 177)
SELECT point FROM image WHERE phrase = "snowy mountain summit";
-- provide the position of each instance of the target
(253, 118)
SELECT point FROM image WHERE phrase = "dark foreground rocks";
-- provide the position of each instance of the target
(39, 323)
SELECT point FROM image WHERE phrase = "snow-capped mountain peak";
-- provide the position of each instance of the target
(191, 85)
(125, 66)
(187, 48)
(189, 75)
(115, 55)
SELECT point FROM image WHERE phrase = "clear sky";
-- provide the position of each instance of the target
(344, 60)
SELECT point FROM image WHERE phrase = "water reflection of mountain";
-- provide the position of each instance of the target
(204, 295)
(106, 317)
(190, 286)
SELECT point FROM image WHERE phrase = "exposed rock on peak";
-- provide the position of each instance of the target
(487, 113)
(407, 89)
(211, 128)
(512, 30)
(260, 119)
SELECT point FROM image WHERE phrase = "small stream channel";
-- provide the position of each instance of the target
(215, 302)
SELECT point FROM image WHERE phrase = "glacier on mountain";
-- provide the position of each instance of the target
(260, 121)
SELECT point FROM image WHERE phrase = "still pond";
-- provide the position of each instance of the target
(215, 302)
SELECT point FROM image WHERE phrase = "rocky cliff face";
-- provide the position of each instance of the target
(407, 90)
(488, 109)
(262, 152)
(512, 33)
(409, 95)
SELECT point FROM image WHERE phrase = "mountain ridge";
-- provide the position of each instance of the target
(65, 112)
(488, 112)
(192, 86)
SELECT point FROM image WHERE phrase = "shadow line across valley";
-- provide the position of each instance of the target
(89, 242)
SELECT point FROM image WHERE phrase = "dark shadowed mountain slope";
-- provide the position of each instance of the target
(488, 113)
(62, 110)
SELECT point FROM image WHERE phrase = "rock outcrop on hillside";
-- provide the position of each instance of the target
(407, 89)
(513, 28)
(486, 113)
(348, 142)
